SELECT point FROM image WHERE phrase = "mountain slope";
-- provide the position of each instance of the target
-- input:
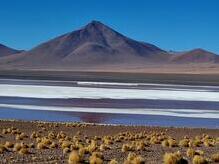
(5, 51)
(98, 46)
(196, 56)
(94, 44)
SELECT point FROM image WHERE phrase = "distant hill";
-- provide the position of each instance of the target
(196, 56)
(6, 51)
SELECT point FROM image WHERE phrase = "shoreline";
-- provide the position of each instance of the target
(124, 77)
(108, 125)
(114, 111)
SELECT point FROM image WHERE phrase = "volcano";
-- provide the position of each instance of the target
(93, 44)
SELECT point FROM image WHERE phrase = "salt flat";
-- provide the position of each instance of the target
(37, 91)
(180, 101)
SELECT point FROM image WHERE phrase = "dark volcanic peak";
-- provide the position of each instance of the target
(95, 24)
(93, 44)
(197, 56)
(5, 51)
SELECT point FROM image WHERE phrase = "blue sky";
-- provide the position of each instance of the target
(169, 24)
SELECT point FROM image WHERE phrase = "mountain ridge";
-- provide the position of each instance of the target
(197, 55)
(6, 51)
(98, 44)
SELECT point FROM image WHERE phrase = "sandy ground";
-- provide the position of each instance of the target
(138, 76)
(114, 137)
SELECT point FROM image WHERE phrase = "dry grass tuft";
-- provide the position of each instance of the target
(184, 143)
(74, 158)
(2, 149)
(66, 150)
(215, 157)
(138, 160)
(199, 160)
(190, 153)
(53, 145)
(174, 158)
(66, 144)
(9, 144)
(104, 147)
(208, 143)
(41, 146)
(96, 158)
(23, 151)
(169, 143)
(165, 143)
(134, 159)
(17, 147)
(92, 147)
(113, 161)
(46, 141)
(172, 143)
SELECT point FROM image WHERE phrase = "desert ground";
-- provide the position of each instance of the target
(52, 142)
(182, 74)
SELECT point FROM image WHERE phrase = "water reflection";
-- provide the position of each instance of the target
(123, 119)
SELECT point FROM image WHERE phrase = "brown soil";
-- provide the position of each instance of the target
(153, 153)
(160, 75)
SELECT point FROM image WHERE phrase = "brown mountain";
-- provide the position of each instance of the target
(5, 51)
(196, 56)
(98, 46)
(93, 44)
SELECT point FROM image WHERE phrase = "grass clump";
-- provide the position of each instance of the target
(53, 145)
(66, 144)
(140, 146)
(23, 151)
(169, 143)
(191, 152)
(9, 144)
(66, 150)
(134, 159)
(197, 142)
(199, 160)
(46, 141)
(96, 158)
(74, 158)
(165, 143)
(215, 157)
(113, 161)
(138, 160)
(172, 143)
(184, 143)
(92, 147)
(104, 147)
(174, 158)
(41, 146)
(2, 149)
(17, 147)
(127, 147)
(208, 143)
